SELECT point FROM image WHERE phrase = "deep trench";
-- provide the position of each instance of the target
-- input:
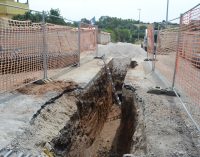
(78, 137)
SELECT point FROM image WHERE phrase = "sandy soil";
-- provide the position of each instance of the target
(41, 89)
(103, 143)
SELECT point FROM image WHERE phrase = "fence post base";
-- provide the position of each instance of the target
(160, 91)
(43, 81)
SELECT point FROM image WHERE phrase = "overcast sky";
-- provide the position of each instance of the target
(151, 10)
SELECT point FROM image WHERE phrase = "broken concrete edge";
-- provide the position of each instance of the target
(51, 101)
(86, 86)
(77, 89)
(161, 91)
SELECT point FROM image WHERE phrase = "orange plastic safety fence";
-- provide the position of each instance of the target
(88, 37)
(27, 48)
(150, 39)
(166, 52)
(188, 58)
(21, 46)
(62, 47)
(24, 45)
(178, 60)
(167, 41)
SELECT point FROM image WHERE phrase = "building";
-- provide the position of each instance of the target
(9, 12)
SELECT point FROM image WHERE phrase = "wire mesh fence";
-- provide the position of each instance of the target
(61, 47)
(178, 60)
(187, 76)
(151, 44)
(103, 37)
(150, 41)
(21, 47)
(88, 37)
(32, 51)
(167, 41)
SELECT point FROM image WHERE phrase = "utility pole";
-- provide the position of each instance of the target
(167, 12)
(139, 25)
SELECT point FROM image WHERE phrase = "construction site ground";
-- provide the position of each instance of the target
(162, 127)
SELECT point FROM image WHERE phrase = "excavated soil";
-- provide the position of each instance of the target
(102, 128)
(80, 133)
(43, 88)
(80, 122)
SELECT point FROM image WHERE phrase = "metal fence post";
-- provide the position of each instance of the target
(177, 49)
(44, 46)
(96, 30)
(153, 48)
(79, 43)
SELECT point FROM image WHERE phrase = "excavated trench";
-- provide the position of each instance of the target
(100, 127)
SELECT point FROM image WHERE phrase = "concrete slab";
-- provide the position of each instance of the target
(85, 73)
(15, 112)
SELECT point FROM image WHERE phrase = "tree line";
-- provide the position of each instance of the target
(122, 30)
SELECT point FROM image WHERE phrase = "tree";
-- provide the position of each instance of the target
(124, 30)
(53, 16)
(84, 20)
(34, 17)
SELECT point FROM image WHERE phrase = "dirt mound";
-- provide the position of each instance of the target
(41, 89)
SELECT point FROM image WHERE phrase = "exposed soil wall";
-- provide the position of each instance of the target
(122, 143)
(94, 126)
(97, 130)
(93, 107)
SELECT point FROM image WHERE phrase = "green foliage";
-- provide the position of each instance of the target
(122, 30)
(162, 25)
(34, 17)
(84, 20)
(113, 35)
(53, 16)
